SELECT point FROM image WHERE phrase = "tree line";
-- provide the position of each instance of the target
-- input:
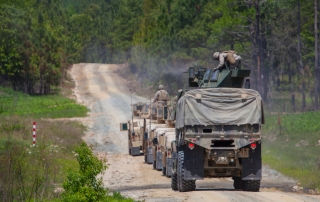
(277, 39)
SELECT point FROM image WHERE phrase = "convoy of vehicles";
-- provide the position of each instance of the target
(212, 131)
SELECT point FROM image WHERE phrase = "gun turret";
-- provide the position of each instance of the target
(233, 78)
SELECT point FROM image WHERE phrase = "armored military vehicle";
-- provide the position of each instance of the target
(136, 128)
(167, 155)
(161, 122)
(159, 146)
(151, 143)
(218, 125)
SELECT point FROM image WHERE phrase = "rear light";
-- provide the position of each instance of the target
(158, 147)
(191, 145)
(253, 145)
(169, 153)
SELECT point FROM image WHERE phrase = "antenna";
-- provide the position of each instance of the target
(132, 111)
(150, 112)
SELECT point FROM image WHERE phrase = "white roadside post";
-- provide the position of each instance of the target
(34, 134)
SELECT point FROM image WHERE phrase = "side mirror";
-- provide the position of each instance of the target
(123, 126)
(155, 141)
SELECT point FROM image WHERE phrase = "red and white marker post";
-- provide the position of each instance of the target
(34, 134)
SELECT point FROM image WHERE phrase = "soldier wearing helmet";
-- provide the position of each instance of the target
(227, 58)
(161, 95)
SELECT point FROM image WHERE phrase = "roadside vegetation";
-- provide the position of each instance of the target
(291, 145)
(50, 106)
(38, 173)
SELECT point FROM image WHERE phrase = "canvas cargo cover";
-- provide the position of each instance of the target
(219, 106)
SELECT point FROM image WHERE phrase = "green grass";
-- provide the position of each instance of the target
(34, 172)
(49, 106)
(290, 145)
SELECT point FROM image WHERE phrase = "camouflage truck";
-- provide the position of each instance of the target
(218, 125)
(136, 128)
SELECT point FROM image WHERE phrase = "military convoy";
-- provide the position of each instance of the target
(212, 131)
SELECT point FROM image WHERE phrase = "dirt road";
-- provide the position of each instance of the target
(105, 93)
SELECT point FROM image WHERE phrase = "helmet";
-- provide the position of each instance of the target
(216, 55)
(161, 87)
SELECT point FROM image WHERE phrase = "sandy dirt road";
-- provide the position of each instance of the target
(106, 95)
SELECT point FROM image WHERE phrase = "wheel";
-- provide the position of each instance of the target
(154, 165)
(251, 185)
(145, 158)
(237, 183)
(164, 171)
(130, 151)
(184, 185)
(174, 181)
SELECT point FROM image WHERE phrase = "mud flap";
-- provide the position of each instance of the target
(150, 156)
(193, 163)
(169, 167)
(252, 166)
(159, 161)
(135, 151)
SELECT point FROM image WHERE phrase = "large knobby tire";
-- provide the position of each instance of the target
(164, 171)
(237, 183)
(251, 185)
(174, 181)
(154, 165)
(145, 158)
(184, 185)
(130, 151)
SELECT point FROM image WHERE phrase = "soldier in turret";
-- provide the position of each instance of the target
(160, 96)
(229, 58)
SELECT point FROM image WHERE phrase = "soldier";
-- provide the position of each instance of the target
(161, 95)
(230, 57)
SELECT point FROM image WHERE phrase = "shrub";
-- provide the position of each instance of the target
(84, 184)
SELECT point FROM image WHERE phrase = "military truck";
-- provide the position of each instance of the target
(150, 142)
(218, 125)
(161, 137)
(167, 155)
(158, 146)
(136, 128)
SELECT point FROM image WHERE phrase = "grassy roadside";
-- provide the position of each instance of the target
(290, 145)
(50, 106)
(37, 173)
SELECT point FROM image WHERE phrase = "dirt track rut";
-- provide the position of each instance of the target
(106, 95)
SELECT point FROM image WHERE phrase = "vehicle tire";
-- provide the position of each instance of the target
(130, 151)
(184, 185)
(251, 185)
(164, 171)
(174, 181)
(237, 183)
(154, 165)
(145, 158)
